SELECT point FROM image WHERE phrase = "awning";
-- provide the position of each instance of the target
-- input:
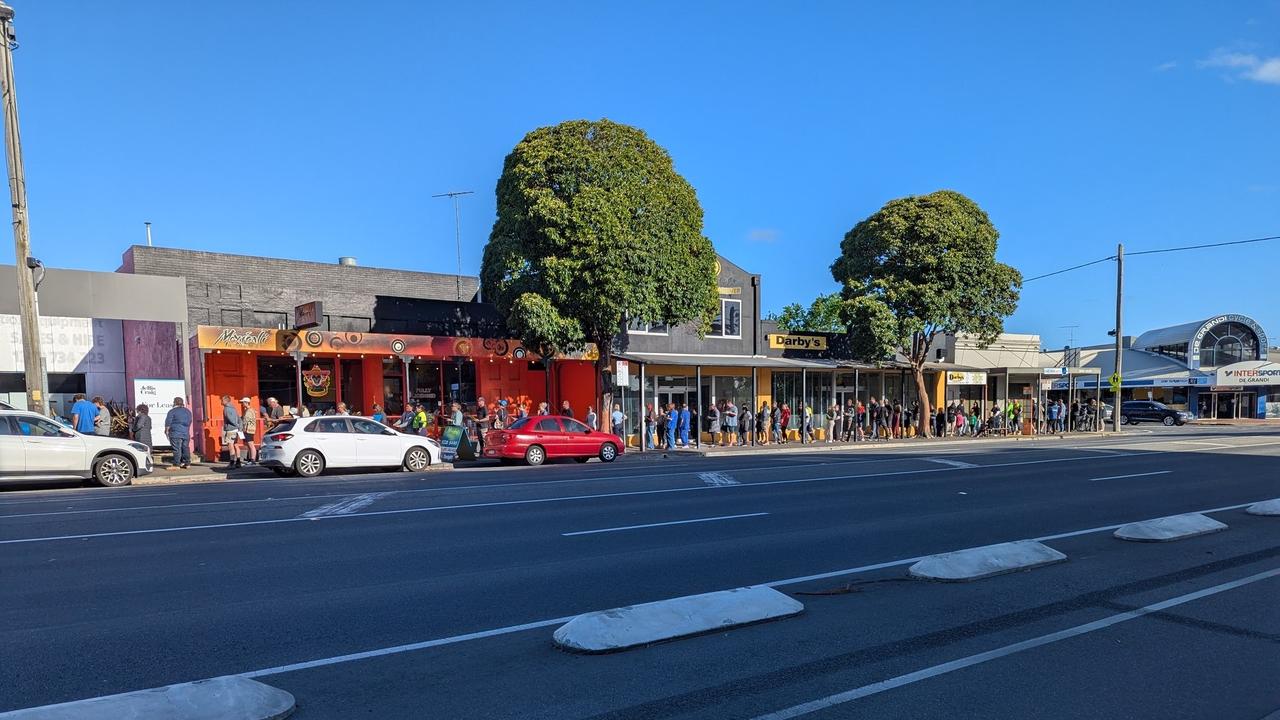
(748, 361)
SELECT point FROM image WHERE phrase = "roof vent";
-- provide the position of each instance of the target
(347, 260)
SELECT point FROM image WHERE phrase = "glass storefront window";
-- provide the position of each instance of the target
(459, 381)
(424, 383)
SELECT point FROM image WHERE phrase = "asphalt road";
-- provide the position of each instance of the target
(446, 587)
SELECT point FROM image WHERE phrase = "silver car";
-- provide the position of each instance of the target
(34, 447)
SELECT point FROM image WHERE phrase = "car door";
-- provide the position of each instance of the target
(374, 446)
(13, 454)
(550, 436)
(1148, 412)
(579, 439)
(51, 449)
(332, 436)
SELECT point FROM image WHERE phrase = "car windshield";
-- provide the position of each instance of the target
(283, 426)
(1159, 406)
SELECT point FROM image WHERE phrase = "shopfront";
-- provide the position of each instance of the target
(1244, 390)
(319, 369)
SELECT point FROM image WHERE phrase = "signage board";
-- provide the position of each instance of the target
(1053, 371)
(1250, 372)
(785, 341)
(955, 377)
(455, 445)
(623, 376)
(308, 315)
(158, 395)
(729, 290)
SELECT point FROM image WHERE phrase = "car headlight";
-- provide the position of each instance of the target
(140, 447)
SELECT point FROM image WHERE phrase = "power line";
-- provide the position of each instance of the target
(1152, 252)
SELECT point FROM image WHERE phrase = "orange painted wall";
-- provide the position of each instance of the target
(234, 374)
(577, 384)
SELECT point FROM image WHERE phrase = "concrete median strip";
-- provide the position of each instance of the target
(223, 698)
(1174, 527)
(1267, 507)
(637, 625)
(981, 562)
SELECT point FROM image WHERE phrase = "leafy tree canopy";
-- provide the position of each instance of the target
(824, 314)
(919, 266)
(594, 226)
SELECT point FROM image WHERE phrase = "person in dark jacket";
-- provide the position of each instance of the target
(140, 426)
(177, 427)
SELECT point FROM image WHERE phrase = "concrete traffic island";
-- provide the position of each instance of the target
(982, 562)
(223, 698)
(1174, 527)
(622, 628)
(1266, 507)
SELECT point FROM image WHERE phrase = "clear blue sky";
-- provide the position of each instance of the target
(317, 129)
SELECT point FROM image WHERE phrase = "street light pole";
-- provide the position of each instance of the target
(457, 234)
(33, 360)
(1119, 372)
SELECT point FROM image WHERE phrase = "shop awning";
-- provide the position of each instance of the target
(748, 361)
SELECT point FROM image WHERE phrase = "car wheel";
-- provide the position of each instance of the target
(1124, 419)
(113, 471)
(582, 459)
(535, 455)
(309, 463)
(1169, 422)
(417, 459)
(608, 452)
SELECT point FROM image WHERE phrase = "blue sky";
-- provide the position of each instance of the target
(317, 129)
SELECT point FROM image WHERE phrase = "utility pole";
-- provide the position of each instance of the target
(1119, 372)
(457, 234)
(32, 359)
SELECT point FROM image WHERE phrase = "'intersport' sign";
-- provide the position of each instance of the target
(1252, 372)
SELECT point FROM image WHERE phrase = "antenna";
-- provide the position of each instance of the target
(1071, 341)
(457, 233)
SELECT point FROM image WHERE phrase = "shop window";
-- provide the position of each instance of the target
(278, 378)
(459, 381)
(344, 323)
(728, 323)
(1228, 343)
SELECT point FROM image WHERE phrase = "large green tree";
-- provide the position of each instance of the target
(922, 266)
(595, 227)
(824, 314)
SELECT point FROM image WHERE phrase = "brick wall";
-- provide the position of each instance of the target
(244, 290)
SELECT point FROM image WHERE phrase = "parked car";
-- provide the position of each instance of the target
(307, 446)
(1133, 412)
(34, 447)
(537, 438)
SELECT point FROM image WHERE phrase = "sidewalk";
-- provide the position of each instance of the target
(708, 450)
(1240, 422)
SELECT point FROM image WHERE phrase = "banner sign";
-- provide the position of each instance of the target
(966, 378)
(308, 315)
(623, 376)
(1251, 372)
(217, 337)
(455, 445)
(158, 396)
(782, 341)
(1053, 371)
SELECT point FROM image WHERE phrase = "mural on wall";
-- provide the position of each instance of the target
(215, 337)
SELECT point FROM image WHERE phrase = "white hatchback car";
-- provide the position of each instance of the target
(33, 447)
(306, 446)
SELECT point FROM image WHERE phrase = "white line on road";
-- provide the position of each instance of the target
(662, 524)
(718, 478)
(345, 506)
(539, 501)
(962, 663)
(952, 463)
(1121, 477)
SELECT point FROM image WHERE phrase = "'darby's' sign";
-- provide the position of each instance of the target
(780, 341)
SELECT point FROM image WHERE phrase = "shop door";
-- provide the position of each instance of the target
(1226, 405)
(1246, 404)
(1206, 406)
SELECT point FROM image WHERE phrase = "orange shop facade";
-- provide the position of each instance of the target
(320, 369)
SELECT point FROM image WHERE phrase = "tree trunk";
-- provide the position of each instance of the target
(923, 392)
(604, 388)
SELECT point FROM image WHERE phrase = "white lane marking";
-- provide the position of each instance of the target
(662, 524)
(966, 662)
(718, 478)
(1121, 477)
(1097, 450)
(951, 463)
(346, 506)
(115, 494)
(1202, 442)
(537, 501)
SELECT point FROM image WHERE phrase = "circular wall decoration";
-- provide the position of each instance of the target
(397, 346)
(462, 347)
(314, 338)
(520, 353)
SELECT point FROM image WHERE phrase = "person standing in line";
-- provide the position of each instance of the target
(249, 421)
(231, 432)
(763, 423)
(565, 410)
(650, 425)
(747, 422)
(140, 426)
(378, 415)
(455, 414)
(83, 414)
(833, 421)
(685, 417)
(405, 423)
(713, 422)
(617, 421)
(775, 422)
(593, 420)
(274, 413)
(672, 422)
(177, 427)
(101, 421)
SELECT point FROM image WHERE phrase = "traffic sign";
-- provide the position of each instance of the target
(1114, 380)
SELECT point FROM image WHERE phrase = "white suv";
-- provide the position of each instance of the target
(33, 447)
(307, 446)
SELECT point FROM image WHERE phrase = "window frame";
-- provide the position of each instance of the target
(559, 427)
(721, 318)
(649, 329)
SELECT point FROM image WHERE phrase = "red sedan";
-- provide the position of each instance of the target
(539, 437)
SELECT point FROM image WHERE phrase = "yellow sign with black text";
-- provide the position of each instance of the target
(779, 341)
